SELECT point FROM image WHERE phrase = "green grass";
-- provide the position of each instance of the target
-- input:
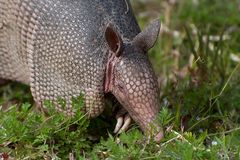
(197, 61)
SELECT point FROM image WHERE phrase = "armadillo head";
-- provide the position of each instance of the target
(130, 77)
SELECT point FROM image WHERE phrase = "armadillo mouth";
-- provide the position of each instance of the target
(109, 76)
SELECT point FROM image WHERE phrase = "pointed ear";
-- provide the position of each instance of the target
(113, 40)
(147, 38)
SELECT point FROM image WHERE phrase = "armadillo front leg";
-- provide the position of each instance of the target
(94, 103)
(93, 106)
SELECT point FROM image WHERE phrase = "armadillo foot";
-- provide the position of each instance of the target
(123, 123)
(119, 124)
(126, 124)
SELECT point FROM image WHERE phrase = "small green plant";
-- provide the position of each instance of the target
(26, 133)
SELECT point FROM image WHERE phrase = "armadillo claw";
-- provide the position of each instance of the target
(126, 124)
(119, 124)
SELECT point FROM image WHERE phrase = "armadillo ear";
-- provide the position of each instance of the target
(148, 37)
(114, 40)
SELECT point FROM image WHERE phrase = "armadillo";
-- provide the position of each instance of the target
(62, 48)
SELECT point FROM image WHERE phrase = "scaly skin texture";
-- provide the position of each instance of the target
(60, 49)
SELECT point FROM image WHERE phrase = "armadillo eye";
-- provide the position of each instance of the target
(121, 87)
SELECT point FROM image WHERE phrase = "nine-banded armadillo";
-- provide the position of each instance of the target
(62, 48)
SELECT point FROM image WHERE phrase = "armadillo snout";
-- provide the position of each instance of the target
(159, 136)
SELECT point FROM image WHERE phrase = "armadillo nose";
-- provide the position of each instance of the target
(158, 137)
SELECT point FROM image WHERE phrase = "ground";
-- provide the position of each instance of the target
(196, 60)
